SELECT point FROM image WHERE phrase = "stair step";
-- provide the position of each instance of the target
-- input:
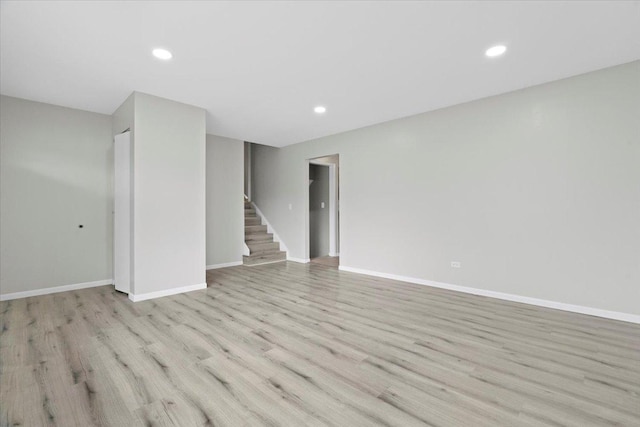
(265, 251)
(253, 229)
(258, 237)
(252, 221)
(263, 246)
(264, 259)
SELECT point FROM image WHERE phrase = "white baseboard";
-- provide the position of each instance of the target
(166, 292)
(616, 315)
(300, 260)
(223, 265)
(55, 289)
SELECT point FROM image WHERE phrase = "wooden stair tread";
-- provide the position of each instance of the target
(276, 256)
(260, 245)
(262, 248)
(258, 237)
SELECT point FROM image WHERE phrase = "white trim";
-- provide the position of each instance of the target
(245, 249)
(333, 210)
(270, 229)
(249, 171)
(300, 260)
(307, 242)
(55, 289)
(223, 265)
(167, 292)
(616, 315)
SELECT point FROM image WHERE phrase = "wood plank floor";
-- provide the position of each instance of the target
(329, 261)
(294, 345)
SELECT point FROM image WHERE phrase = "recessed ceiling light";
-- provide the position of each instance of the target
(320, 109)
(494, 51)
(162, 54)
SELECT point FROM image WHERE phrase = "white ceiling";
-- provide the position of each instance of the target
(259, 68)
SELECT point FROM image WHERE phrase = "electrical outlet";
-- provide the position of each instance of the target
(456, 264)
(322, 205)
(290, 206)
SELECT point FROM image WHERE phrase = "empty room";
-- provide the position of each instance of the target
(319, 213)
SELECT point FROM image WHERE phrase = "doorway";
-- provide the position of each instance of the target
(324, 211)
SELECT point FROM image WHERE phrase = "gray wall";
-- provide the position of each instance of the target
(169, 195)
(225, 207)
(318, 216)
(55, 174)
(124, 117)
(535, 192)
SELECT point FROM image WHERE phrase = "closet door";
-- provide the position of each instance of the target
(122, 213)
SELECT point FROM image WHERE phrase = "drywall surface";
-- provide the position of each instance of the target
(225, 206)
(55, 175)
(123, 118)
(247, 168)
(169, 195)
(327, 160)
(319, 207)
(535, 192)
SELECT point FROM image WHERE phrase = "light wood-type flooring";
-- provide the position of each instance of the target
(329, 261)
(294, 345)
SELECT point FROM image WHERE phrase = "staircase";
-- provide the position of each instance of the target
(262, 248)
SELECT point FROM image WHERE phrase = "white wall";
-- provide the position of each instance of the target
(169, 195)
(225, 206)
(535, 192)
(121, 120)
(124, 117)
(55, 174)
(247, 168)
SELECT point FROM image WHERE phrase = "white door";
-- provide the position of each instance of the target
(122, 213)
